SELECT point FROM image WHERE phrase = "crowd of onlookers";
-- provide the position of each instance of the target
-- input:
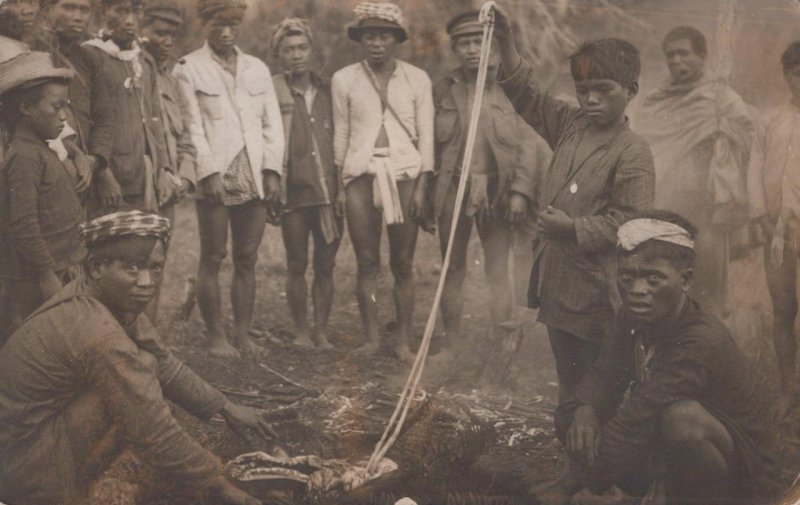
(103, 134)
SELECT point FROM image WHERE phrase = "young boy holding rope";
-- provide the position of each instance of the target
(600, 175)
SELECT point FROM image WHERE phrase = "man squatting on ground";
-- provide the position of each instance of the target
(698, 422)
(39, 207)
(87, 375)
(235, 125)
(310, 183)
(601, 174)
(774, 189)
(383, 147)
(501, 184)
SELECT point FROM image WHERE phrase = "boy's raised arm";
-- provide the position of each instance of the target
(547, 115)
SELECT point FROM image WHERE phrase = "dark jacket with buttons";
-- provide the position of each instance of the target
(39, 211)
(513, 145)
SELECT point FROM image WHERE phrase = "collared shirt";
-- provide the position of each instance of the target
(229, 113)
(570, 280)
(72, 358)
(774, 159)
(693, 358)
(39, 211)
(358, 117)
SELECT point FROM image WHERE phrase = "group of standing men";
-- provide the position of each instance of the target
(654, 395)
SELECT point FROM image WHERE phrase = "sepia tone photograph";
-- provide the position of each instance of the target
(419, 252)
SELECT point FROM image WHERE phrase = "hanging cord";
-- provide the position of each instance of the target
(395, 424)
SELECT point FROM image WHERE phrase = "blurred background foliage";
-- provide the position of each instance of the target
(753, 33)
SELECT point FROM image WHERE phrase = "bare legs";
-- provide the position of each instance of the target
(296, 227)
(364, 223)
(247, 223)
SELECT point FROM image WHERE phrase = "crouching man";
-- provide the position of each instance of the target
(697, 422)
(87, 375)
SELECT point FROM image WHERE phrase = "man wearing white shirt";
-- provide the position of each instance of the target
(235, 124)
(383, 148)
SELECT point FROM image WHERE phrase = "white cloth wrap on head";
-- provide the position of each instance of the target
(637, 231)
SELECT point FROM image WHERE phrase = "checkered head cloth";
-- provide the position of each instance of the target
(125, 223)
(207, 8)
(386, 11)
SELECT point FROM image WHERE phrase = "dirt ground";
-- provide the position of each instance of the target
(524, 451)
(303, 390)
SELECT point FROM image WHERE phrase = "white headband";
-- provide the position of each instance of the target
(637, 231)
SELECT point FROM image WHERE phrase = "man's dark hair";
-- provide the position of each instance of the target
(681, 257)
(614, 59)
(693, 35)
(791, 56)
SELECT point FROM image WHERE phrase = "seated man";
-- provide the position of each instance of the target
(697, 422)
(86, 375)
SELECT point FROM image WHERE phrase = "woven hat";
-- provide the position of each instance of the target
(386, 16)
(290, 26)
(167, 10)
(30, 66)
(133, 223)
(206, 9)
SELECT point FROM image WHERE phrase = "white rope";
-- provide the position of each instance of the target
(395, 424)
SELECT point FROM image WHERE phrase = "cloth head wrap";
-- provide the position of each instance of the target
(377, 15)
(206, 9)
(637, 231)
(126, 223)
(290, 26)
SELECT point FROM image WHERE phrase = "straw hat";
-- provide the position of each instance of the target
(10, 48)
(27, 67)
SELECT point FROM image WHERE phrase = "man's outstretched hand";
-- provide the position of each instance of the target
(247, 423)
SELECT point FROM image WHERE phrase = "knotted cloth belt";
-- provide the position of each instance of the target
(384, 186)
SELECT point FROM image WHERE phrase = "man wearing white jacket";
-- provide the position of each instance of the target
(235, 125)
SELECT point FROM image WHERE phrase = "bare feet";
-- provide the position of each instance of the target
(219, 347)
(302, 339)
(322, 341)
(367, 350)
(402, 352)
(250, 348)
(443, 358)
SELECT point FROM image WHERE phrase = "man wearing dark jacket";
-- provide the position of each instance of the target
(138, 149)
(501, 185)
(311, 183)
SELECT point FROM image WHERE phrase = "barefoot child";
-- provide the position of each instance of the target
(601, 173)
(39, 208)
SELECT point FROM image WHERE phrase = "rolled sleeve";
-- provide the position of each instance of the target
(272, 130)
(341, 119)
(425, 112)
(633, 191)
(193, 120)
